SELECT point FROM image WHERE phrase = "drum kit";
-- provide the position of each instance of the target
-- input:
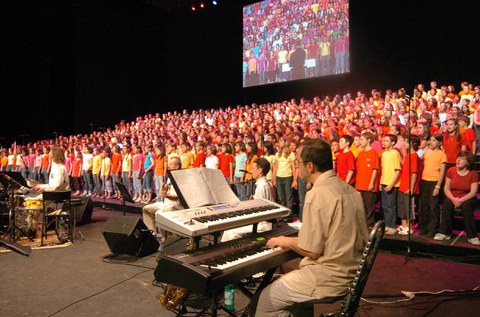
(18, 208)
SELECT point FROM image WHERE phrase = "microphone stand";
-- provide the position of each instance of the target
(164, 176)
(411, 196)
(56, 134)
(104, 205)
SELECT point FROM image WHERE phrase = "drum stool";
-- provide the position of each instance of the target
(56, 197)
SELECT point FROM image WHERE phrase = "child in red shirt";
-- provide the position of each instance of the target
(346, 160)
(76, 172)
(225, 162)
(409, 184)
(468, 133)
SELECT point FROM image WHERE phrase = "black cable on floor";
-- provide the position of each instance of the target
(123, 260)
(431, 310)
(97, 293)
(119, 258)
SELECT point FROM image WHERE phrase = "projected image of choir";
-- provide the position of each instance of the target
(290, 40)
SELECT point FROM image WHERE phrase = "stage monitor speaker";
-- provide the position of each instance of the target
(83, 211)
(127, 235)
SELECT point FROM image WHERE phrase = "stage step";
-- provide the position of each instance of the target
(452, 250)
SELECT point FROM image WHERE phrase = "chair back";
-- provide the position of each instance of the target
(352, 299)
(57, 196)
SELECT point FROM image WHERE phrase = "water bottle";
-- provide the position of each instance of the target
(61, 230)
(66, 230)
(229, 297)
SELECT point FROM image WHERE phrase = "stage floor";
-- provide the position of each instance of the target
(77, 281)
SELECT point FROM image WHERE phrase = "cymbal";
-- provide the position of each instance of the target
(31, 182)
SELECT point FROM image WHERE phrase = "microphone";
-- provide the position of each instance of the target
(245, 171)
(14, 183)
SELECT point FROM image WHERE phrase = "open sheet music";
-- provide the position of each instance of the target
(201, 186)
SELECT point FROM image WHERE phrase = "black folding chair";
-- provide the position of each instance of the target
(351, 300)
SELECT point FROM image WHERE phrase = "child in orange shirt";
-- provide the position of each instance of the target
(116, 170)
(367, 166)
(335, 148)
(434, 162)
(4, 160)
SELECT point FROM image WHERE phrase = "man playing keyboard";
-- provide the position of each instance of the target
(331, 239)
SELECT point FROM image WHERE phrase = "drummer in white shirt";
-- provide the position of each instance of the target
(58, 181)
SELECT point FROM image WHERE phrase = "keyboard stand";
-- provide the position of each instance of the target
(216, 305)
(267, 278)
(254, 227)
(216, 237)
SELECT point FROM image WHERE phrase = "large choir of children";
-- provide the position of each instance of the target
(391, 147)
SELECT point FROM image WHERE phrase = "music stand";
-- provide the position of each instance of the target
(125, 195)
(12, 228)
(17, 176)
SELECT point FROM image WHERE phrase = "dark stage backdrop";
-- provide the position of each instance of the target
(37, 69)
(72, 65)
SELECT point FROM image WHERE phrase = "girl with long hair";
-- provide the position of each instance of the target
(225, 162)
(252, 156)
(453, 142)
(269, 155)
(284, 173)
(240, 159)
